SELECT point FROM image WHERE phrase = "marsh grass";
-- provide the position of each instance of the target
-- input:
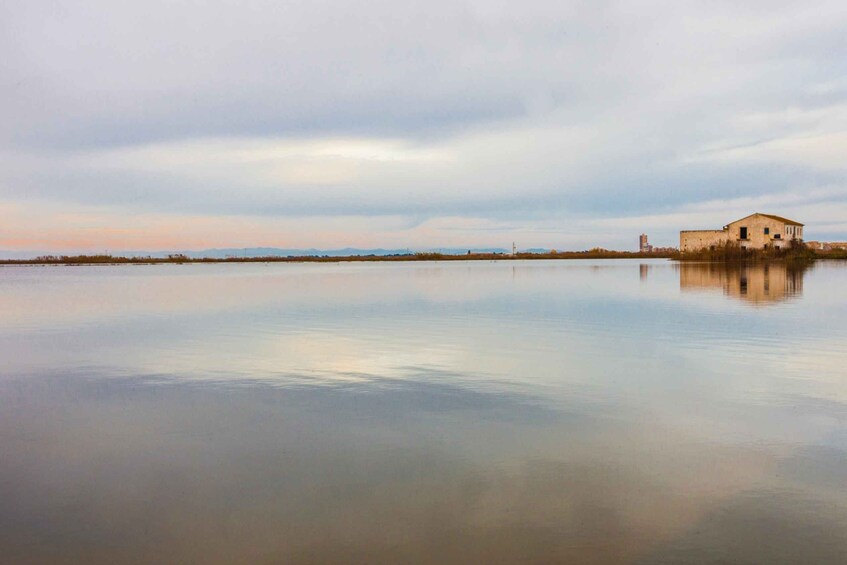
(797, 253)
(423, 256)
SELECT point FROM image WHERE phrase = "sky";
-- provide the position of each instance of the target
(183, 125)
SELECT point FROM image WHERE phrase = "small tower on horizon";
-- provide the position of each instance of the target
(514, 249)
(643, 246)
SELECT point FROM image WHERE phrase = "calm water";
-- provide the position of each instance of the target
(548, 411)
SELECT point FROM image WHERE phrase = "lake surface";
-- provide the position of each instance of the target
(466, 412)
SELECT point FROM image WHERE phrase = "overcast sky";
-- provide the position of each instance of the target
(153, 124)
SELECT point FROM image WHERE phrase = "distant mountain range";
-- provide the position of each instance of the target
(280, 252)
(273, 252)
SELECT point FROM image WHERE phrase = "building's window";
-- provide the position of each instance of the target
(744, 232)
(767, 231)
(777, 236)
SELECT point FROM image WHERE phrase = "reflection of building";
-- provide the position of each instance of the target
(756, 231)
(758, 284)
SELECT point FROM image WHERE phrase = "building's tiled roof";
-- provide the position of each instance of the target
(781, 219)
(772, 217)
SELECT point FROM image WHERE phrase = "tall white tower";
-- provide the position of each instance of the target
(514, 249)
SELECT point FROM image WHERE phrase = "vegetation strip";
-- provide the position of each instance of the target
(723, 254)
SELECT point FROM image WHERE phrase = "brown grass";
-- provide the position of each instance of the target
(797, 252)
(179, 259)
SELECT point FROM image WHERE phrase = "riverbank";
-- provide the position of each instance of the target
(181, 259)
(712, 256)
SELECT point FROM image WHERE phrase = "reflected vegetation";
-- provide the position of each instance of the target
(757, 284)
(571, 412)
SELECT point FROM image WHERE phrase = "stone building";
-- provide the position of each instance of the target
(756, 231)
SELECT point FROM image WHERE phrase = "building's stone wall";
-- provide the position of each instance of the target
(693, 240)
(756, 236)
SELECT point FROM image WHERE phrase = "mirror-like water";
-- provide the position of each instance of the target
(547, 411)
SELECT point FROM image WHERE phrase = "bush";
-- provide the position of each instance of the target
(733, 253)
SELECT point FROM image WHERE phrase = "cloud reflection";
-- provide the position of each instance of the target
(417, 413)
(109, 470)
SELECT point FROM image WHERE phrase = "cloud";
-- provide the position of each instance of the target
(550, 113)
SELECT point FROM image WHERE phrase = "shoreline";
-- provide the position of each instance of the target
(80, 260)
(94, 260)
